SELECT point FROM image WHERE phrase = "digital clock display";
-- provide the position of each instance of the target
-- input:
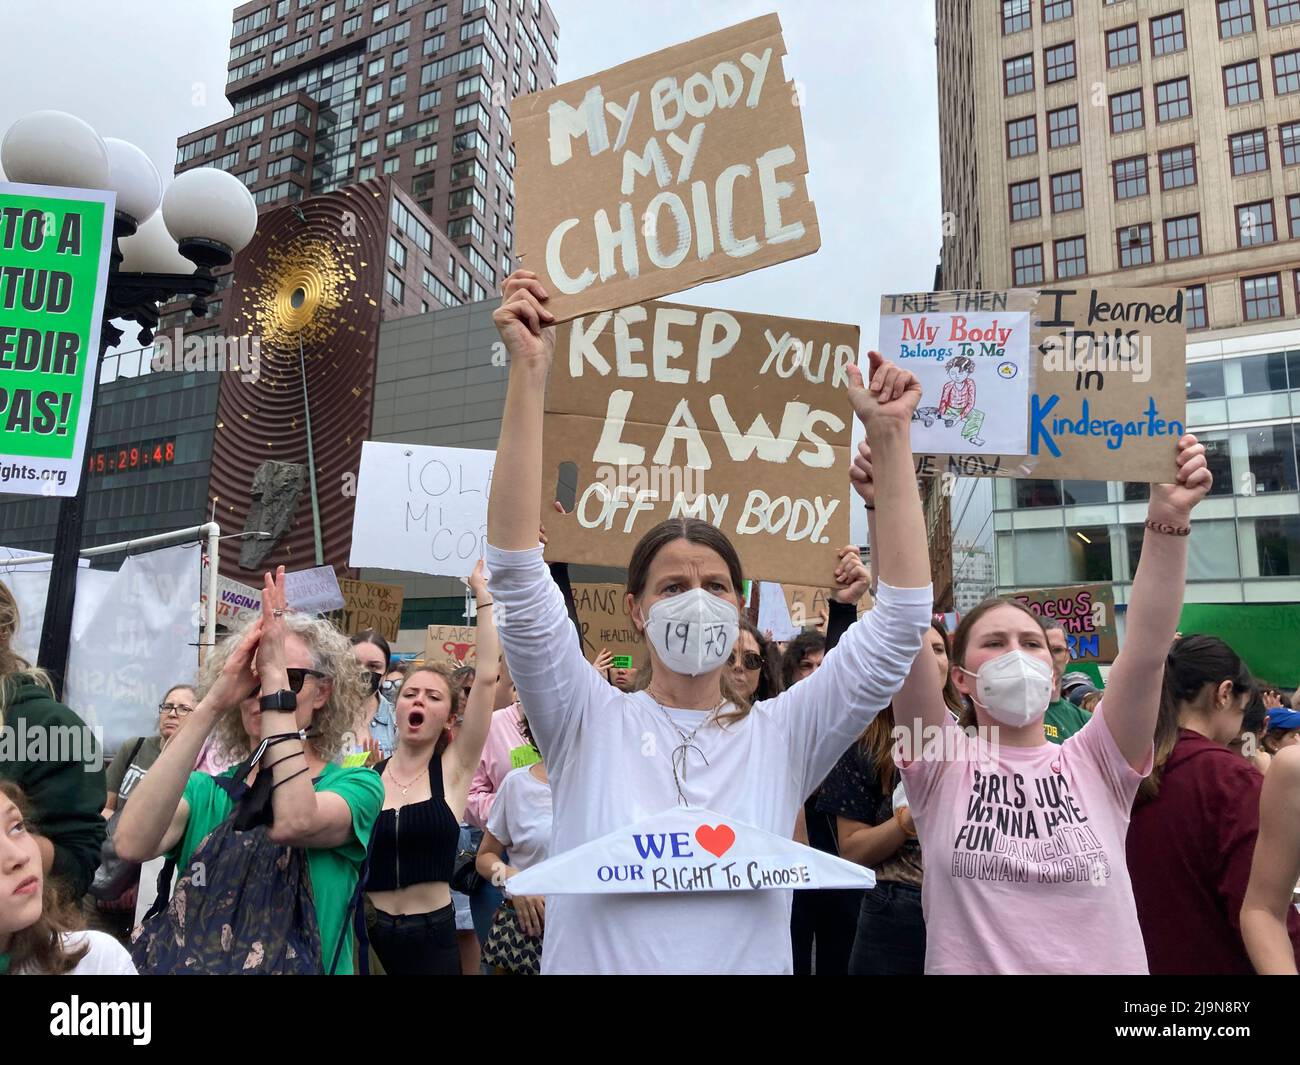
(125, 457)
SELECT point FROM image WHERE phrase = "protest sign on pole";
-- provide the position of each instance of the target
(236, 603)
(54, 257)
(1106, 391)
(606, 624)
(313, 591)
(453, 645)
(421, 509)
(677, 168)
(367, 605)
(1086, 613)
(664, 410)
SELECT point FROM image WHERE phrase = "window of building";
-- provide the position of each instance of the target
(1286, 73)
(430, 99)
(1248, 152)
(400, 56)
(435, 18)
(1063, 127)
(376, 67)
(1255, 224)
(1067, 191)
(1121, 47)
(351, 25)
(1022, 136)
(1177, 168)
(1018, 75)
(1126, 111)
(371, 121)
(397, 85)
(395, 113)
(1281, 12)
(396, 251)
(1241, 83)
(1277, 543)
(326, 35)
(1056, 10)
(374, 93)
(1070, 256)
(1024, 200)
(1288, 136)
(391, 166)
(394, 287)
(1173, 100)
(1015, 16)
(1183, 237)
(1261, 297)
(1194, 310)
(380, 13)
(1135, 246)
(366, 172)
(1033, 492)
(1235, 18)
(1293, 221)
(369, 147)
(1204, 379)
(1167, 35)
(1263, 373)
(1130, 176)
(1027, 265)
(426, 155)
(1059, 62)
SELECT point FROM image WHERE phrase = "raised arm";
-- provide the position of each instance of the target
(468, 748)
(1275, 870)
(852, 579)
(1132, 699)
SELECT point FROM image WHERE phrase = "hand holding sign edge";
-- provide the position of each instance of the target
(890, 397)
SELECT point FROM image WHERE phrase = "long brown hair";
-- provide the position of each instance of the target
(876, 745)
(695, 531)
(41, 947)
(961, 641)
(1192, 664)
(13, 667)
(951, 696)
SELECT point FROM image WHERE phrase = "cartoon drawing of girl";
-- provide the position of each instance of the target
(957, 401)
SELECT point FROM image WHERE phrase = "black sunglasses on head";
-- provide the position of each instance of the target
(296, 678)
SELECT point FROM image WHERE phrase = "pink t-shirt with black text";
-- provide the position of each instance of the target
(1025, 869)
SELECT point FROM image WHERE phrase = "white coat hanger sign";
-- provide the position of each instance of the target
(688, 849)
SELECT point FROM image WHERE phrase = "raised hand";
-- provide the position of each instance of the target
(603, 660)
(237, 677)
(270, 649)
(524, 322)
(852, 577)
(891, 395)
(860, 475)
(477, 582)
(1173, 503)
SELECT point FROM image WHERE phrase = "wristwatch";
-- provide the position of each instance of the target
(280, 701)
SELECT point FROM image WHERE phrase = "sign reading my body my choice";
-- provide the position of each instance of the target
(54, 252)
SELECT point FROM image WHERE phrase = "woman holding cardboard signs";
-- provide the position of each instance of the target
(687, 740)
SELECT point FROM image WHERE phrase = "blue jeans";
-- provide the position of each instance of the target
(891, 932)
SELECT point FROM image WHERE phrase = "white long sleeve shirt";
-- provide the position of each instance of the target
(609, 756)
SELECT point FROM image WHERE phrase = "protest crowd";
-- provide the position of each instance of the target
(321, 811)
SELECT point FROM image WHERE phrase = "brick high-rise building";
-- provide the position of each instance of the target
(1142, 143)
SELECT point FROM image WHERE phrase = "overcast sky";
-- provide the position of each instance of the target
(149, 71)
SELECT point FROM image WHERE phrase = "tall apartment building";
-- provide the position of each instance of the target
(1142, 143)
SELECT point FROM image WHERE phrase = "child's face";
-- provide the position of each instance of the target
(958, 373)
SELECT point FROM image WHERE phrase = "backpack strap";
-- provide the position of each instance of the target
(163, 897)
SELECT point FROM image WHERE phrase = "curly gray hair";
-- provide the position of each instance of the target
(331, 654)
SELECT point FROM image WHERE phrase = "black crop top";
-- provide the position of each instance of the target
(417, 843)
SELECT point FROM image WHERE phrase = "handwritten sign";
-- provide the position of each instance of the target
(677, 168)
(421, 509)
(688, 849)
(739, 419)
(367, 605)
(1086, 613)
(810, 605)
(1108, 395)
(974, 373)
(454, 645)
(54, 252)
(605, 622)
(313, 591)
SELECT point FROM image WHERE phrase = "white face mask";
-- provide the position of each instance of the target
(694, 632)
(1014, 688)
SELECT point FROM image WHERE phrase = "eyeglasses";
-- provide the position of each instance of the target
(296, 678)
(179, 709)
(750, 659)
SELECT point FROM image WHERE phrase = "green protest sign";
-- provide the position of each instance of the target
(54, 254)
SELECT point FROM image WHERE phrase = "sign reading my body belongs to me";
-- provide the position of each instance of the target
(670, 411)
(54, 251)
(680, 167)
(1108, 399)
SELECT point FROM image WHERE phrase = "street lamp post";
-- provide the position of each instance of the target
(208, 216)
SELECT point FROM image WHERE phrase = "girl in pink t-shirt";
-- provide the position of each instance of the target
(1025, 869)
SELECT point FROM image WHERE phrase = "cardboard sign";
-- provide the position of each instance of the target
(313, 591)
(367, 605)
(603, 617)
(1108, 398)
(421, 509)
(740, 419)
(454, 645)
(688, 849)
(974, 373)
(1086, 612)
(54, 252)
(809, 605)
(677, 168)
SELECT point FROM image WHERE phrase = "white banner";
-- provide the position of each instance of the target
(421, 509)
(774, 612)
(313, 591)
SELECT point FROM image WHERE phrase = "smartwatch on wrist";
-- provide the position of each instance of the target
(279, 702)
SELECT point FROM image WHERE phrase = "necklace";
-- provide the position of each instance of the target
(688, 744)
(405, 787)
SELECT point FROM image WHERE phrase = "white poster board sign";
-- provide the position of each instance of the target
(421, 509)
(774, 612)
(313, 591)
(688, 849)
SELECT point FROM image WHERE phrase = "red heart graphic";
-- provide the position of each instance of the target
(717, 841)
